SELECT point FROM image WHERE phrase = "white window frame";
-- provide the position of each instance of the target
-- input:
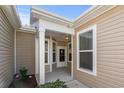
(94, 72)
(47, 52)
(53, 41)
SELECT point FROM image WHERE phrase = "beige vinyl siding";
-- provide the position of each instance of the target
(6, 51)
(25, 51)
(110, 50)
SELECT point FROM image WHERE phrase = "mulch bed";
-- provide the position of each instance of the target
(28, 83)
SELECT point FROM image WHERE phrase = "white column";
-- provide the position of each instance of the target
(37, 57)
(50, 54)
(41, 56)
(72, 56)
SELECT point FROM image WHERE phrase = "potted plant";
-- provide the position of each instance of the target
(23, 73)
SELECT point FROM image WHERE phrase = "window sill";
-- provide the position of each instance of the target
(87, 71)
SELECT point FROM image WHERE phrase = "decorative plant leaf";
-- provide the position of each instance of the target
(23, 73)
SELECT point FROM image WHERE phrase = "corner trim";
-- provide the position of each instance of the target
(15, 51)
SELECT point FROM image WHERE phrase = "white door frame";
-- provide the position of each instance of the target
(61, 64)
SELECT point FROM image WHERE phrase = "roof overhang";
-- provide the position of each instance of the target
(37, 13)
(88, 15)
(27, 29)
(12, 15)
(92, 13)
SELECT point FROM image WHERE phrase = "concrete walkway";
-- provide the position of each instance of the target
(75, 84)
(59, 73)
(63, 75)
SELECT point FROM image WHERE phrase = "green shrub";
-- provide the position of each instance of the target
(56, 84)
(23, 73)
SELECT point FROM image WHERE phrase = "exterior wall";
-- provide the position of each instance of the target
(6, 51)
(110, 50)
(25, 50)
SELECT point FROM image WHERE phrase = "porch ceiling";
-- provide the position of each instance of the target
(57, 35)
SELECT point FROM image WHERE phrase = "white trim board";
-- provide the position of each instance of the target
(15, 51)
(27, 29)
(85, 12)
(51, 26)
(53, 41)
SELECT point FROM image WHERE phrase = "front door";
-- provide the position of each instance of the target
(61, 56)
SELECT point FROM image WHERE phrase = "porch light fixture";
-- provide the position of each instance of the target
(67, 38)
(37, 32)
